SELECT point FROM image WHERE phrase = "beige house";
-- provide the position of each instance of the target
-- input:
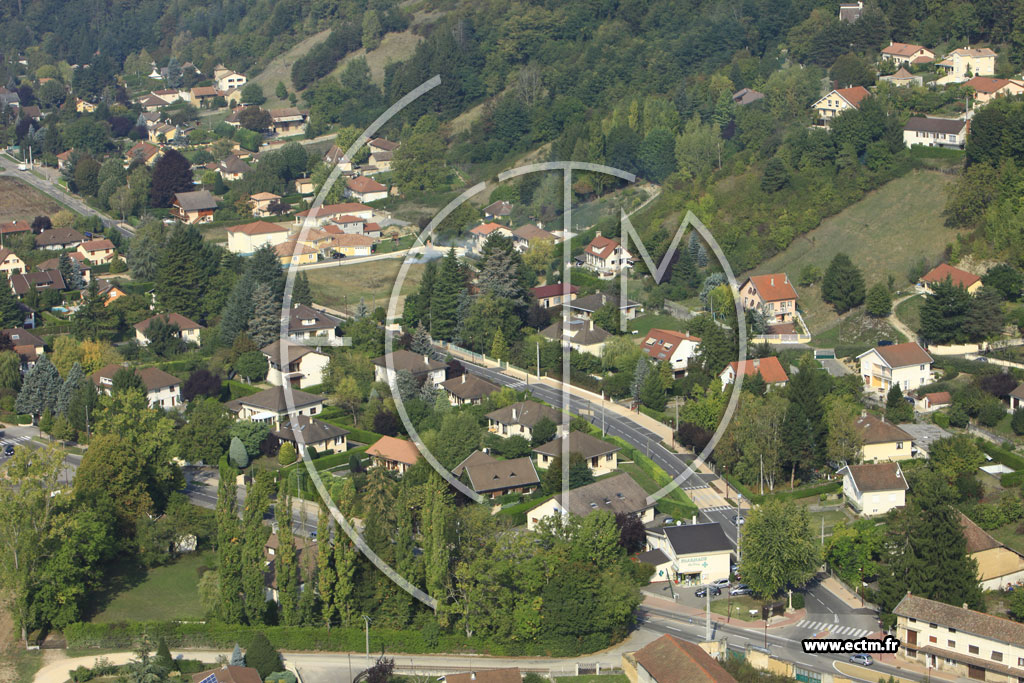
(162, 389)
(365, 189)
(468, 389)
(585, 306)
(551, 295)
(943, 272)
(902, 78)
(669, 346)
(672, 660)
(492, 477)
(698, 553)
(577, 334)
(615, 494)
(482, 232)
(270, 406)
(838, 101)
(907, 53)
(958, 641)
(300, 366)
(248, 237)
(260, 203)
(998, 566)
(908, 365)
(874, 489)
(769, 368)
(288, 121)
(328, 212)
(304, 185)
(422, 367)
(190, 331)
(306, 322)
(226, 79)
(966, 62)
(987, 89)
(196, 206)
(394, 454)
(295, 253)
(934, 132)
(773, 294)
(10, 263)
(519, 419)
(882, 441)
(98, 252)
(352, 245)
(605, 256)
(601, 457)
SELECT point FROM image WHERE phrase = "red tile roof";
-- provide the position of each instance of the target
(258, 228)
(939, 398)
(769, 368)
(487, 228)
(773, 287)
(671, 660)
(853, 95)
(555, 289)
(601, 246)
(363, 184)
(97, 245)
(396, 450)
(661, 344)
(902, 49)
(960, 278)
(987, 85)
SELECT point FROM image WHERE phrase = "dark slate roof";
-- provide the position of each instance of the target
(311, 430)
(58, 236)
(48, 279)
(579, 442)
(526, 413)
(688, 539)
(577, 331)
(273, 399)
(488, 474)
(407, 360)
(469, 387)
(293, 352)
(616, 494)
(930, 125)
(300, 312)
(652, 557)
(197, 200)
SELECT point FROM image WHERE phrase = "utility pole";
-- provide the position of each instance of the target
(538, 360)
(707, 611)
(367, 620)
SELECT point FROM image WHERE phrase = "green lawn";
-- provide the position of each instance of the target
(741, 606)
(1008, 536)
(345, 285)
(909, 311)
(161, 594)
(648, 484)
(645, 323)
(884, 233)
(857, 329)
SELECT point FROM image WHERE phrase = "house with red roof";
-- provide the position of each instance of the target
(769, 368)
(248, 237)
(394, 454)
(987, 89)
(189, 330)
(943, 272)
(907, 365)
(838, 101)
(365, 189)
(773, 294)
(328, 212)
(145, 152)
(907, 53)
(927, 403)
(552, 295)
(481, 232)
(605, 256)
(669, 346)
(98, 252)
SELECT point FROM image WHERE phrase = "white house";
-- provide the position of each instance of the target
(966, 62)
(365, 189)
(934, 132)
(305, 322)
(772, 294)
(769, 368)
(577, 334)
(907, 364)
(300, 366)
(669, 346)
(519, 419)
(481, 232)
(907, 53)
(247, 238)
(698, 553)
(190, 331)
(271, 406)
(162, 389)
(227, 79)
(618, 493)
(422, 367)
(874, 489)
(605, 256)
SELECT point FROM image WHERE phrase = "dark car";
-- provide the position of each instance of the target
(9, 449)
(703, 591)
(885, 342)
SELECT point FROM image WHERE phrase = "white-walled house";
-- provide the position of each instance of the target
(270, 406)
(605, 256)
(669, 346)
(420, 366)
(874, 489)
(519, 419)
(305, 322)
(601, 457)
(190, 331)
(618, 493)
(163, 390)
(301, 366)
(698, 553)
(247, 238)
(935, 132)
(908, 365)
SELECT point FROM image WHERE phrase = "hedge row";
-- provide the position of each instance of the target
(1001, 455)
(123, 635)
(1011, 479)
(796, 494)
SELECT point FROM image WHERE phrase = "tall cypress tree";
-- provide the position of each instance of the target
(301, 293)
(444, 300)
(256, 533)
(325, 575)
(183, 275)
(286, 570)
(68, 390)
(265, 268)
(237, 311)
(229, 547)
(265, 324)
(11, 314)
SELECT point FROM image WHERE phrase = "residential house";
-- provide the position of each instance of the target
(196, 206)
(943, 272)
(998, 566)
(15, 228)
(699, 553)
(966, 62)
(352, 245)
(294, 253)
(492, 477)
(745, 96)
(421, 366)
(605, 256)
(772, 294)
(347, 225)
(151, 103)
(261, 201)
(297, 364)
(11, 263)
(203, 96)
(616, 494)
(928, 403)
(769, 368)
(144, 152)
(22, 283)
(227, 79)
(882, 440)
(499, 209)
(169, 95)
(84, 106)
(381, 160)
(671, 660)
(549, 296)
(162, 132)
(987, 89)
(468, 389)
(482, 233)
(188, 330)
(335, 156)
(63, 159)
(108, 290)
(365, 189)
(9, 98)
(585, 306)
(305, 322)
(958, 641)
(288, 121)
(58, 239)
(528, 235)
(838, 101)
(270, 406)
(601, 457)
(305, 560)
(850, 11)
(228, 674)
(98, 252)
(27, 345)
(923, 435)
(308, 431)
(519, 419)
(874, 489)
(304, 185)
(669, 346)
(902, 78)
(32, 112)
(382, 145)
(329, 212)
(906, 53)
(935, 132)
(577, 334)
(247, 238)
(232, 168)
(321, 240)
(908, 365)
(1017, 398)
(163, 390)
(394, 454)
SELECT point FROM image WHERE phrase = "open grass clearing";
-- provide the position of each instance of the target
(22, 202)
(884, 234)
(662, 321)
(1008, 536)
(737, 606)
(372, 282)
(280, 68)
(394, 47)
(166, 593)
(909, 311)
(857, 329)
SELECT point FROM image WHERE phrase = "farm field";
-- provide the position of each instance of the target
(373, 282)
(21, 202)
(884, 234)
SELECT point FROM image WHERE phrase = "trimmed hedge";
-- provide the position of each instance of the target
(1012, 479)
(797, 494)
(1001, 455)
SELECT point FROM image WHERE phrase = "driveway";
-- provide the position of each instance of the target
(900, 326)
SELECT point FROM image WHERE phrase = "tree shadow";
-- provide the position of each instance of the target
(123, 575)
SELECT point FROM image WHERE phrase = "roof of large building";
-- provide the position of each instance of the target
(531, 232)
(944, 271)
(397, 450)
(689, 539)
(878, 430)
(526, 413)
(58, 236)
(22, 283)
(973, 52)
(469, 387)
(311, 430)
(258, 227)
(576, 330)
(384, 144)
(883, 476)
(178, 319)
(511, 675)
(273, 400)
(232, 164)
(579, 442)
(769, 368)
(196, 200)
(415, 363)
(773, 287)
(592, 302)
(487, 473)
(901, 355)
(661, 344)
(925, 124)
(618, 493)
(293, 351)
(965, 620)
(554, 289)
(97, 245)
(671, 660)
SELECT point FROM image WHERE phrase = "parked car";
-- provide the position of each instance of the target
(703, 591)
(741, 589)
(720, 583)
(738, 520)
(862, 659)
(9, 449)
(885, 342)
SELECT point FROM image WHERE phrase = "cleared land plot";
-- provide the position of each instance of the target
(280, 68)
(884, 233)
(162, 594)
(21, 202)
(909, 311)
(372, 282)
(857, 329)
(394, 47)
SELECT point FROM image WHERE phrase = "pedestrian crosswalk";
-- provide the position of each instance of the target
(14, 440)
(692, 484)
(833, 629)
(720, 508)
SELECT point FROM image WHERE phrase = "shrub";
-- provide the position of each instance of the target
(262, 656)
(941, 419)
(991, 413)
(798, 600)
(1017, 423)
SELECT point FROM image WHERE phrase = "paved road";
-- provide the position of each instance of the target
(428, 253)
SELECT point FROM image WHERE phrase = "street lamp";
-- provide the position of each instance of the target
(367, 620)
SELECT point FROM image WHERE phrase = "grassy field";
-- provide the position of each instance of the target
(373, 282)
(1008, 536)
(22, 202)
(884, 234)
(909, 311)
(741, 606)
(394, 47)
(161, 594)
(280, 68)
(856, 329)
(662, 321)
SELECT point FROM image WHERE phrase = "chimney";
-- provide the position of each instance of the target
(515, 414)
(785, 278)
(773, 280)
(426, 359)
(757, 363)
(591, 325)
(463, 378)
(598, 234)
(693, 519)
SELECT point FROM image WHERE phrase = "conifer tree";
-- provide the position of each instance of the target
(237, 311)
(301, 293)
(445, 297)
(326, 578)
(286, 568)
(39, 390)
(253, 583)
(265, 268)
(421, 342)
(499, 349)
(229, 547)
(265, 324)
(183, 274)
(72, 383)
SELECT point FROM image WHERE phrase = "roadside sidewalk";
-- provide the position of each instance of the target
(836, 588)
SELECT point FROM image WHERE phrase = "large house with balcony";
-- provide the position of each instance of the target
(965, 62)
(959, 641)
(669, 346)
(300, 366)
(601, 457)
(270, 406)
(247, 238)
(772, 294)
(907, 53)
(397, 455)
(305, 322)
(519, 419)
(605, 256)
(907, 365)
(770, 369)
(420, 366)
(163, 390)
(838, 101)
